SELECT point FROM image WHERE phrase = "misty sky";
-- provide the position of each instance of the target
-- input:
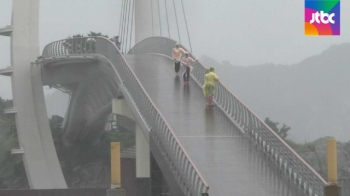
(243, 32)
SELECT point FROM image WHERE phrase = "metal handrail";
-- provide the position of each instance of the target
(185, 172)
(247, 121)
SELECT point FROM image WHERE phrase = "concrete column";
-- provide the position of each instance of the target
(143, 19)
(119, 107)
(142, 146)
(332, 189)
(142, 150)
(142, 155)
(40, 159)
(143, 169)
(115, 165)
(332, 164)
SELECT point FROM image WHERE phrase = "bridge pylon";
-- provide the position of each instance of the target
(40, 159)
(143, 172)
(143, 20)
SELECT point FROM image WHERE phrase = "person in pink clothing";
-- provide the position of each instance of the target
(177, 53)
(186, 61)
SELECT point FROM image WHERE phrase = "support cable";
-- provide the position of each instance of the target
(167, 19)
(160, 21)
(177, 23)
(188, 34)
(127, 29)
(132, 21)
(120, 19)
(152, 17)
(122, 34)
(124, 26)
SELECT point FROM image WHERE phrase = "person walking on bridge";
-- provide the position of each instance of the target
(204, 89)
(210, 80)
(177, 53)
(186, 61)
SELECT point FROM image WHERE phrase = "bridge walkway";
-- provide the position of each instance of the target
(227, 160)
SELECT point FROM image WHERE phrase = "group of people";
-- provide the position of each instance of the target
(210, 77)
(177, 54)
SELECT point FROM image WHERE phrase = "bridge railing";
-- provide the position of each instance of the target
(76, 46)
(285, 158)
(182, 167)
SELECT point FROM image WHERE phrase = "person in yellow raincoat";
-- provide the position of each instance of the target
(210, 80)
(203, 88)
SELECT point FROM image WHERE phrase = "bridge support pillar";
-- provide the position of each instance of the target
(143, 20)
(143, 173)
(143, 181)
(40, 159)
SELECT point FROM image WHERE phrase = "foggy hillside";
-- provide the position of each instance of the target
(313, 96)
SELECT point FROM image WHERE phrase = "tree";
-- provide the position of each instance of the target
(84, 44)
(12, 173)
(96, 34)
(282, 132)
(5, 104)
(91, 34)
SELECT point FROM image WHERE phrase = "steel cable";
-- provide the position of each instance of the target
(123, 26)
(132, 21)
(177, 23)
(167, 19)
(120, 19)
(128, 24)
(152, 17)
(160, 21)
(188, 34)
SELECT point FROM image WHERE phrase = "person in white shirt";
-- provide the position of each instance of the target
(177, 53)
(186, 61)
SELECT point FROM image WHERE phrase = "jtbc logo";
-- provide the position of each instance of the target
(317, 16)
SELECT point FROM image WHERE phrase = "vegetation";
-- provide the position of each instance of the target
(315, 153)
(12, 169)
(12, 172)
(81, 154)
(282, 132)
(91, 34)
(80, 45)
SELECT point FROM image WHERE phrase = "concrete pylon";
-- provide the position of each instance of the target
(143, 20)
(143, 167)
(40, 158)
